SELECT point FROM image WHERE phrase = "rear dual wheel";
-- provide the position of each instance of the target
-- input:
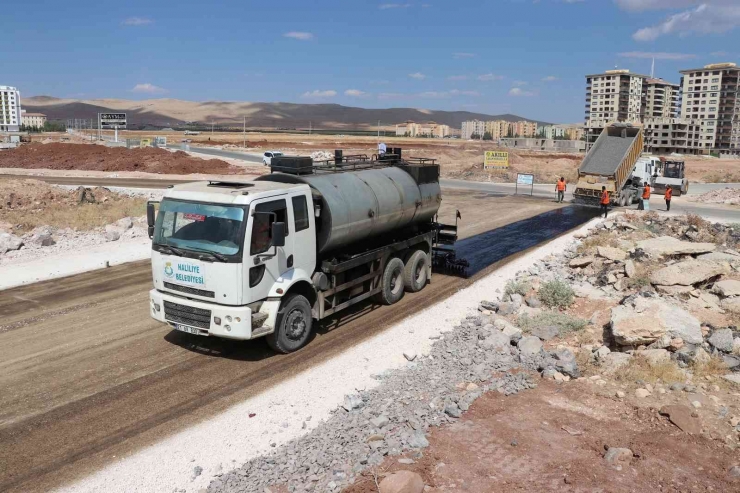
(415, 272)
(391, 283)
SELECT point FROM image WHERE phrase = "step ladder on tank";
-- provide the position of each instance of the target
(444, 257)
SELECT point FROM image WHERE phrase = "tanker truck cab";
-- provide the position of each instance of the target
(271, 256)
(224, 256)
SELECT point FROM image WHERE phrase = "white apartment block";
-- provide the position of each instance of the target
(710, 96)
(614, 96)
(10, 109)
(430, 129)
(473, 127)
(551, 131)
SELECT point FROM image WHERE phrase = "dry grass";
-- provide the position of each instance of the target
(518, 287)
(640, 369)
(81, 217)
(643, 271)
(695, 220)
(564, 322)
(715, 367)
(602, 238)
(586, 365)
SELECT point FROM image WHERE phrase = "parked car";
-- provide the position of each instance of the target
(267, 157)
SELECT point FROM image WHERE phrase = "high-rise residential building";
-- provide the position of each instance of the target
(614, 96)
(669, 135)
(710, 96)
(524, 128)
(574, 133)
(498, 129)
(473, 127)
(660, 99)
(10, 109)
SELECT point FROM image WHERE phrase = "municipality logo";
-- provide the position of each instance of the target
(168, 269)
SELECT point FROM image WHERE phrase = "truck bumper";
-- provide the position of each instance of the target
(200, 318)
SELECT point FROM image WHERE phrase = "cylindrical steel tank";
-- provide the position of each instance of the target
(356, 205)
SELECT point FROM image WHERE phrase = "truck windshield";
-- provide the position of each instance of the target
(200, 227)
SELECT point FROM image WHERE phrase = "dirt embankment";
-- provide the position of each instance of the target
(27, 204)
(100, 158)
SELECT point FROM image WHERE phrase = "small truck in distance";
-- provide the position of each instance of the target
(270, 257)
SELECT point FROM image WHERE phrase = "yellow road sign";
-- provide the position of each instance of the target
(496, 159)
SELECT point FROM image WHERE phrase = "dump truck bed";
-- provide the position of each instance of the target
(606, 155)
(609, 163)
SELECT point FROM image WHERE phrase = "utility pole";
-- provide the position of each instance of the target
(245, 132)
(378, 131)
(310, 127)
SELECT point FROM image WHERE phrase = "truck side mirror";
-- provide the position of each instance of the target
(150, 217)
(278, 234)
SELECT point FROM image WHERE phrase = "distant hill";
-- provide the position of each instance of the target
(172, 112)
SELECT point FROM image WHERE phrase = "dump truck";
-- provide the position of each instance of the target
(673, 173)
(271, 256)
(612, 162)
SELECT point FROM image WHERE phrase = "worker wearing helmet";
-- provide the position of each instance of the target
(604, 201)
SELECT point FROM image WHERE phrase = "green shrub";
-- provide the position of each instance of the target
(564, 322)
(519, 287)
(556, 294)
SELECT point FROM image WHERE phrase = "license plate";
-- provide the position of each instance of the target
(187, 329)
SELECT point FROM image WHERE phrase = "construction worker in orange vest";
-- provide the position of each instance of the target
(668, 196)
(561, 187)
(644, 204)
(604, 200)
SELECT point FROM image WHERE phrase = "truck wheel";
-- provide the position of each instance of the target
(415, 272)
(292, 325)
(392, 282)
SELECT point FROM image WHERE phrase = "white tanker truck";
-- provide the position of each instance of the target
(268, 257)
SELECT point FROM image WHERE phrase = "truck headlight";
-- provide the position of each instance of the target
(217, 320)
(228, 328)
(228, 318)
(157, 307)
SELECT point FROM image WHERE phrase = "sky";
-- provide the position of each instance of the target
(526, 57)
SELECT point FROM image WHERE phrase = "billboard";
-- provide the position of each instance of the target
(112, 120)
(496, 160)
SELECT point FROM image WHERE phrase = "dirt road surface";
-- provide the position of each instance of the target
(89, 378)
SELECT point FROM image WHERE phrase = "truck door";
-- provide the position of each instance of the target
(265, 262)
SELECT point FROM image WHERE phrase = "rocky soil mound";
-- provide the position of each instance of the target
(730, 196)
(26, 195)
(37, 218)
(102, 158)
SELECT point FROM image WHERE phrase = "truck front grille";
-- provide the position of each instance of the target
(187, 315)
(185, 289)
